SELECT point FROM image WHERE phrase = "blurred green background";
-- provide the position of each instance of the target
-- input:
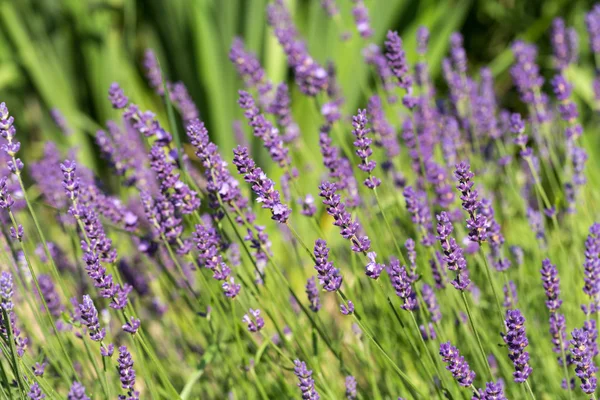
(66, 53)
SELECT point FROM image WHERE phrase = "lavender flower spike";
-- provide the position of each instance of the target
(363, 147)
(402, 285)
(77, 392)
(127, 374)
(516, 341)
(89, 318)
(457, 365)
(313, 294)
(583, 358)
(35, 392)
(493, 391)
(261, 185)
(305, 381)
(328, 275)
(476, 223)
(117, 96)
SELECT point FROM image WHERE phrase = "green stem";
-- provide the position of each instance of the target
(472, 322)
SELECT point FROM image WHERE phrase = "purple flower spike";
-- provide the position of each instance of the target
(583, 354)
(453, 253)
(254, 321)
(127, 374)
(35, 392)
(591, 265)
(431, 303)
(328, 275)
(402, 285)
(361, 18)
(77, 392)
(396, 59)
(153, 73)
(551, 283)
(493, 391)
(516, 340)
(313, 294)
(305, 381)
(50, 295)
(261, 185)
(351, 388)
(264, 130)
(117, 96)
(349, 229)
(89, 318)
(476, 223)
(457, 365)
(131, 326)
(564, 53)
(592, 22)
(363, 147)
(347, 310)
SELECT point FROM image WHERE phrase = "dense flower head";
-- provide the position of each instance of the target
(35, 392)
(363, 147)
(582, 356)
(117, 97)
(562, 44)
(310, 77)
(262, 186)
(551, 283)
(492, 391)
(396, 58)
(89, 318)
(516, 341)
(305, 381)
(349, 229)
(402, 284)
(457, 364)
(476, 223)
(328, 275)
(153, 73)
(592, 22)
(264, 130)
(416, 205)
(591, 265)
(127, 374)
(77, 392)
(361, 18)
(248, 66)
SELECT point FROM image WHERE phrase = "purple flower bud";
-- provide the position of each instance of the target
(254, 321)
(153, 73)
(373, 269)
(89, 318)
(351, 388)
(551, 283)
(77, 392)
(361, 18)
(510, 295)
(493, 391)
(305, 381)
(431, 302)
(396, 59)
(117, 96)
(35, 392)
(349, 229)
(457, 365)
(132, 325)
(582, 353)
(127, 373)
(516, 342)
(313, 294)
(402, 285)
(347, 310)
(329, 276)
(261, 185)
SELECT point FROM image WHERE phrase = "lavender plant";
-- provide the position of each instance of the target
(265, 269)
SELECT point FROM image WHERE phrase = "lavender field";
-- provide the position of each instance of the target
(324, 199)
